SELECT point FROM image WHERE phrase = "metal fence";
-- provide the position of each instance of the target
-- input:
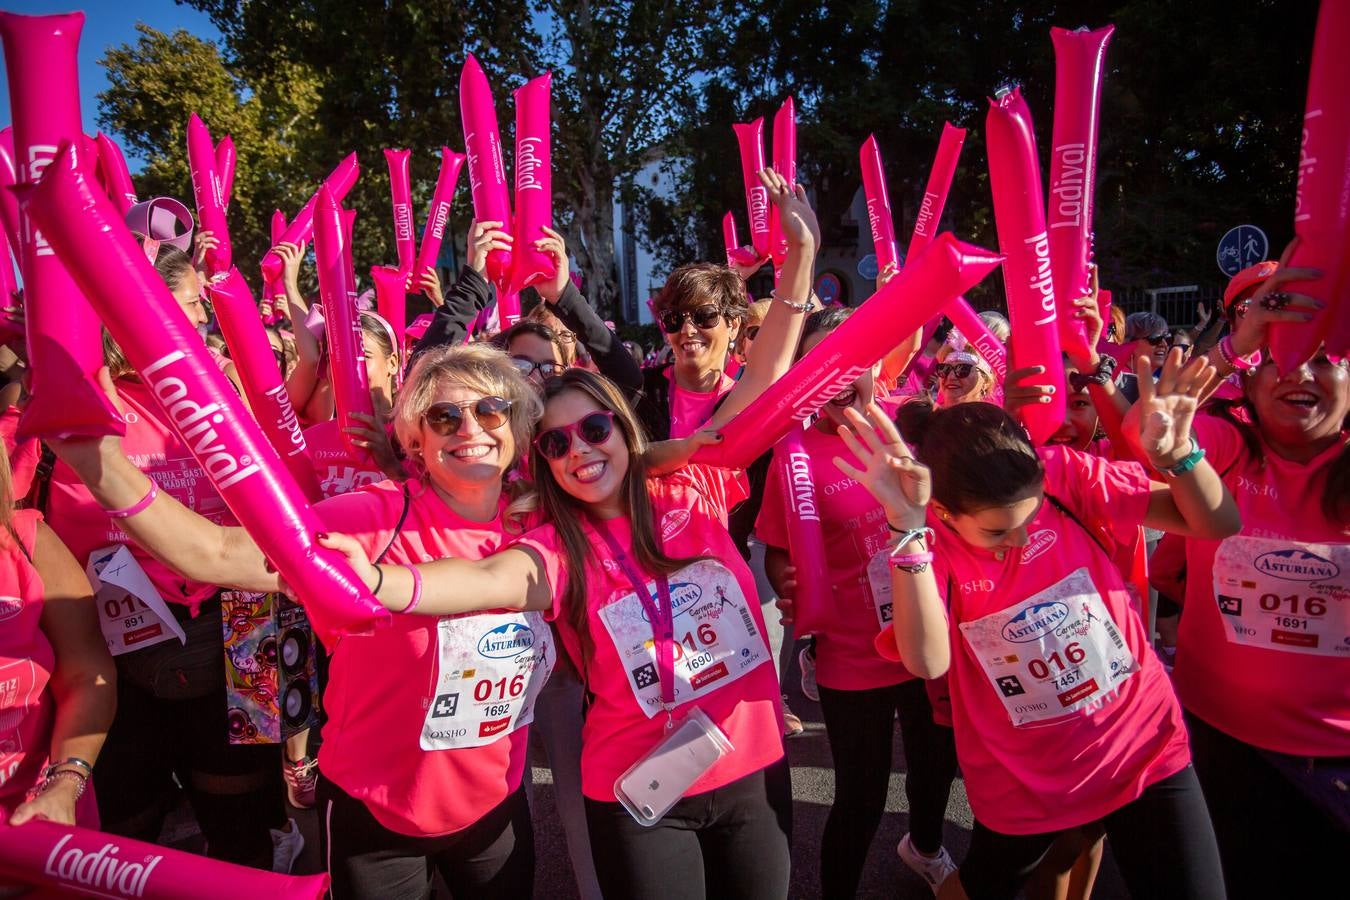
(1178, 304)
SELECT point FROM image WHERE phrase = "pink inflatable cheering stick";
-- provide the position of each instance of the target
(274, 300)
(9, 204)
(813, 602)
(1019, 216)
(750, 136)
(264, 383)
(438, 214)
(342, 325)
(534, 192)
(65, 343)
(112, 166)
(76, 861)
(1080, 58)
(391, 302)
(945, 270)
(225, 169)
(400, 191)
(935, 192)
(972, 327)
(487, 172)
(744, 257)
(9, 288)
(339, 182)
(206, 192)
(88, 234)
(878, 204)
(785, 164)
(1322, 198)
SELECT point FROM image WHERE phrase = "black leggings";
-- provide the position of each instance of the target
(1274, 842)
(1162, 843)
(492, 858)
(728, 842)
(861, 728)
(171, 722)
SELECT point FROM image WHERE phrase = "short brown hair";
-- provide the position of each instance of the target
(697, 284)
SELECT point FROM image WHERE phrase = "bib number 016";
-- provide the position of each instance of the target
(502, 688)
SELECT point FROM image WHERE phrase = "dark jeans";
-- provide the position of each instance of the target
(492, 858)
(1162, 843)
(172, 721)
(1273, 840)
(728, 842)
(861, 728)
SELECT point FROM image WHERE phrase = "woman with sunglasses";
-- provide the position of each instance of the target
(1261, 664)
(534, 348)
(415, 773)
(171, 725)
(1002, 578)
(861, 694)
(962, 376)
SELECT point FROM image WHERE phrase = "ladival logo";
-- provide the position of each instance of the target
(1296, 565)
(682, 596)
(10, 607)
(1034, 622)
(505, 641)
(99, 872)
(1038, 543)
(673, 522)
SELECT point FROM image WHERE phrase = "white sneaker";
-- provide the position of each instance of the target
(286, 846)
(808, 666)
(933, 869)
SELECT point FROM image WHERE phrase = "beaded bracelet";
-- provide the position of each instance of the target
(1239, 363)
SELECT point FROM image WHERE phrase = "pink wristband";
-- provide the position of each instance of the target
(911, 559)
(417, 587)
(139, 506)
(1230, 356)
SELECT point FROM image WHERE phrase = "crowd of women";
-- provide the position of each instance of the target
(527, 505)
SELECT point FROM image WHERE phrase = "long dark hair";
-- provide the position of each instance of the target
(978, 455)
(565, 512)
(1336, 491)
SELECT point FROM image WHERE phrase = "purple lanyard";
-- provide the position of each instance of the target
(661, 615)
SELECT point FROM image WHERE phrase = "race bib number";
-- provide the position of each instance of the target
(1283, 595)
(879, 581)
(20, 694)
(1055, 653)
(716, 638)
(131, 613)
(489, 672)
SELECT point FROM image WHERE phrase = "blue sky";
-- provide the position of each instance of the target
(106, 23)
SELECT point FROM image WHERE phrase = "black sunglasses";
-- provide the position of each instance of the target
(594, 428)
(707, 316)
(960, 370)
(528, 367)
(1160, 340)
(752, 332)
(448, 418)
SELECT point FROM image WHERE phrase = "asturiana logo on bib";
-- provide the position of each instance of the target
(1295, 564)
(683, 595)
(1038, 543)
(1035, 622)
(505, 641)
(100, 871)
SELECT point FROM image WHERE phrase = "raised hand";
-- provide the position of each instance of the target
(1089, 313)
(555, 248)
(291, 256)
(901, 484)
(430, 285)
(1271, 303)
(1017, 395)
(795, 216)
(371, 436)
(202, 241)
(484, 237)
(1163, 415)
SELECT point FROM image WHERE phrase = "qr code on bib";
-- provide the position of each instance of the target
(644, 676)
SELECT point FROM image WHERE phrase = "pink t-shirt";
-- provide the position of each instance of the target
(404, 736)
(691, 410)
(1263, 653)
(723, 666)
(854, 526)
(26, 663)
(1047, 638)
(155, 449)
(339, 472)
(23, 455)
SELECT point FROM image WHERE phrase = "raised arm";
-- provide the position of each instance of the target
(514, 578)
(470, 293)
(779, 333)
(302, 379)
(903, 487)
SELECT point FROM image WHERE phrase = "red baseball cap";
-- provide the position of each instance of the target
(1247, 280)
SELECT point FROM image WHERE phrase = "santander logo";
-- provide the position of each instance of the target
(1039, 542)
